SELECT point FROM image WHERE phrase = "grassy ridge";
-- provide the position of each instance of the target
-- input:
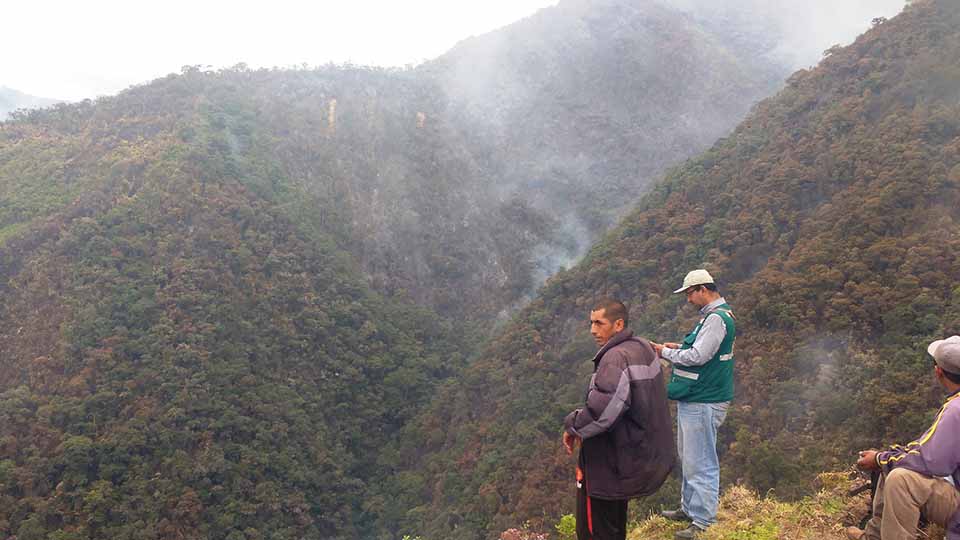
(745, 515)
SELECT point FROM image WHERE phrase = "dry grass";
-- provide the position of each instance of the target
(744, 515)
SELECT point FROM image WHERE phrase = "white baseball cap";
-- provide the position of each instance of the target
(946, 352)
(696, 277)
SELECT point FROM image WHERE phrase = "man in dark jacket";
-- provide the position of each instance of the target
(624, 428)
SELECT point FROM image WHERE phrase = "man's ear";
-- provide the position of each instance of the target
(618, 325)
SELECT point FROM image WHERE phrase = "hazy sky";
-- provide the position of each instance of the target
(83, 48)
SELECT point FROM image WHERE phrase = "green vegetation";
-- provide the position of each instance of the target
(184, 352)
(246, 304)
(567, 527)
(181, 360)
(831, 218)
(227, 294)
(581, 118)
(746, 516)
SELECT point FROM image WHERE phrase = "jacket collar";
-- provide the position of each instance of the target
(617, 339)
(712, 306)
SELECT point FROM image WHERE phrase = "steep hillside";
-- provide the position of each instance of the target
(831, 217)
(208, 326)
(178, 357)
(464, 184)
(363, 155)
(587, 102)
(225, 294)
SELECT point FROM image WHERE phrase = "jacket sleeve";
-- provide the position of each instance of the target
(704, 348)
(936, 453)
(607, 398)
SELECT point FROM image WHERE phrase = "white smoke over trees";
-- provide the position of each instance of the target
(802, 30)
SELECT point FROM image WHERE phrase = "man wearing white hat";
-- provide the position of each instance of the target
(702, 384)
(924, 474)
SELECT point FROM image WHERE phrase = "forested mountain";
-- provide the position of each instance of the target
(466, 182)
(180, 356)
(831, 216)
(602, 93)
(11, 100)
(210, 323)
(227, 294)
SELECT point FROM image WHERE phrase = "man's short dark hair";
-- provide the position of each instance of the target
(952, 377)
(613, 310)
(707, 286)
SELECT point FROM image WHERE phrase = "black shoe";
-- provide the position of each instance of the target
(690, 533)
(676, 515)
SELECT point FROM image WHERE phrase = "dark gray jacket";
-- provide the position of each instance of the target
(628, 448)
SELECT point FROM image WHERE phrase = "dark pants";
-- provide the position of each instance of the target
(598, 519)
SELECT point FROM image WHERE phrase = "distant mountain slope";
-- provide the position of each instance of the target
(363, 155)
(831, 217)
(225, 294)
(209, 326)
(464, 184)
(11, 100)
(587, 102)
(177, 356)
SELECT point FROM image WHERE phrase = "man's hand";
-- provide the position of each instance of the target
(868, 460)
(658, 347)
(570, 442)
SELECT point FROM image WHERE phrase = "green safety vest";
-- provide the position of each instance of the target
(711, 382)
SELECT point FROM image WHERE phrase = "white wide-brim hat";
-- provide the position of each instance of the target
(696, 277)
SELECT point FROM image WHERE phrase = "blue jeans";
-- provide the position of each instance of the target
(697, 425)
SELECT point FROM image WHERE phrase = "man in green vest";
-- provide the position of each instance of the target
(702, 384)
